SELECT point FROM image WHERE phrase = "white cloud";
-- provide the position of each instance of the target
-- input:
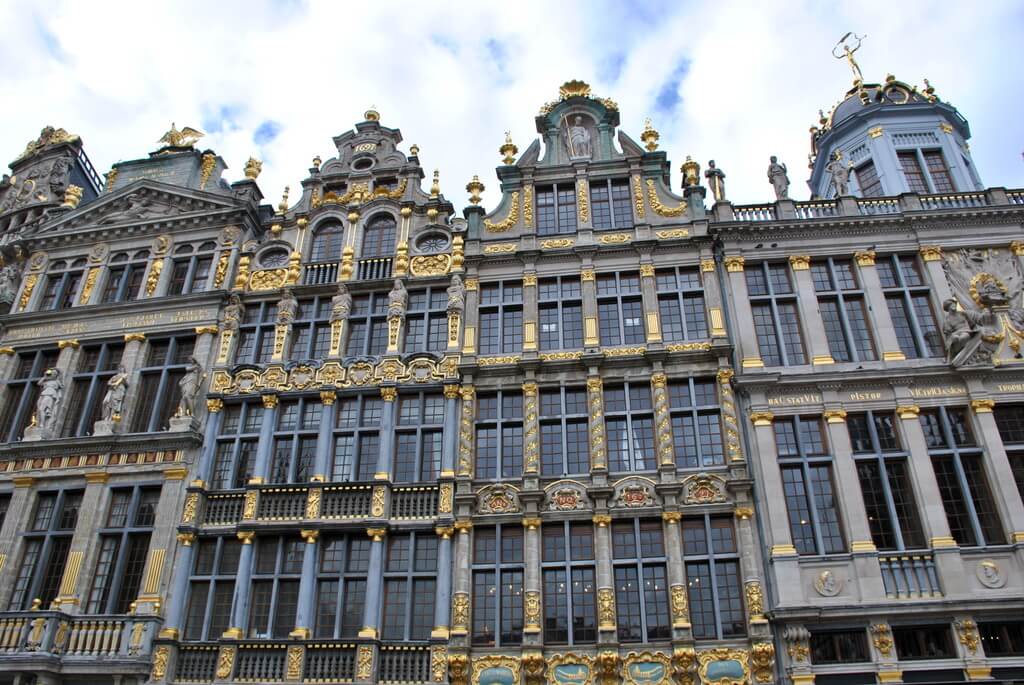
(118, 74)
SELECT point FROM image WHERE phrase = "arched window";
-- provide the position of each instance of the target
(379, 237)
(327, 243)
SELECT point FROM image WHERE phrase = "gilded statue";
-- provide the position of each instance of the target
(777, 176)
(113, 400)
(341, 303)
(186, 137)
(51, 390)
(48, 136)
(847, 54)
(716, 181)
(188, 386)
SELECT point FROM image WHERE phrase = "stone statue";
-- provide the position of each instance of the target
(398, 300)
(716, 181)
(189, 388)
(840, 174)
(51, 390)
(456, 295)
(579, 139)
(778, 178)
(287, 306)
(234, 312)
(59, 177)
(966, 333)
(113, 400)
(341, 304)
(9, 278)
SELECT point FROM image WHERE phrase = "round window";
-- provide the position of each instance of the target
(432, 242)
(274, 258)
(362, 163)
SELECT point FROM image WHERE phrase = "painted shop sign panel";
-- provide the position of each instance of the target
(646, 672)
(570, 674)
(497, 675)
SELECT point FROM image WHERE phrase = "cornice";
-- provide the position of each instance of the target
(124, 442)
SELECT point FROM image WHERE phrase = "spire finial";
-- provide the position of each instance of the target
(282, 206)
(372, 114)
(650, 136)
(508, 150)
(474, 188)
(435, 187)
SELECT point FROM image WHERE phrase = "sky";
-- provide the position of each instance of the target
(730, 81)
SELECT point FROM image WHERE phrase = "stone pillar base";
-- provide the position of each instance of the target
(104, 427)
(180, 424)
(34, 434)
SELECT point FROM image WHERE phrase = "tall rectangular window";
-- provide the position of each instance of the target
(341, 585)
(807, 483)
(570, 586)
(235, 454)
(641, 583)
(426, 321)
(867, 179)
(713, 577)
(611, 203)
(97, 364)
(629, 425)
(843, 310)
(311, 329)
(696, 423)
(123, 544)
(294, 448)
(418, 437)
(63, 280)
(959, 468)
(773, 303)
(256, 333)
(912, 172)
(941, 179)
(212, 587)
(124, 278)
(22, 391)
(191, 268)
(620, 309)
(909, 301)
(564, 432)
(368, 325)
(159, 394)
(499, 435)
(885, 481)
(501, 317)
(556, 209)
(560, 311)
(681, 304)
(356, 438)
(410, 581)
(45, 546)
(274, 596)
(1010, 421)
(498, 586)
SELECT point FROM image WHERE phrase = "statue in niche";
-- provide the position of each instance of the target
(234, 312)
(9, 278)
(398, 300)
(578, 139)
(778, 178)
(287, 307)
(840, 173)
(456, 295)
(716, 181)
(113, 400)
(59, 177)
(189, 388)
(51, 389)
(341, 303)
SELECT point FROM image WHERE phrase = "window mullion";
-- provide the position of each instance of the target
(890, 501)
(780, 340)
(844, 321)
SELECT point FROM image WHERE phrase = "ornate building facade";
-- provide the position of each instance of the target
(604, 433)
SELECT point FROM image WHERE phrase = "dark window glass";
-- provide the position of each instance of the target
(611, 204)
(499, 435)
(713, 577)
(942, 181)
(620, 309)
(641, 584)
(909, 303)
(912, 172)
(497, 586)
(681, 304)
(629, 427)
(379, 237)
(501, 317)
(158, 391)
(923, 642)
(22, 391)
(838, 646)
(409, 587)
(97, 365)
(564, 432)
(560, 313)
(418, 437)
(45, 548)
(1002, 638)
(191, 269)
(123, 545)
(341, 585)
(570, 588)
(776, 316)
(327, 242)
(696, 423)
(867, 179)
(357, 437)
(368, 325)
(426, 321)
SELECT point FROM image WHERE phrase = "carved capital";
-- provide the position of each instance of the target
(865, 257)
(214, 405)
(908, 411)
(931, 253)
(269, 400)
(762, 418)
(601, 520)
(800, 262)
(734, 263)
(984, 406)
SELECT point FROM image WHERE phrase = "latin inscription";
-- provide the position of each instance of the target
(1010, 387)
(939, 391)
(793, 400)
(864, 396)
(126, 323)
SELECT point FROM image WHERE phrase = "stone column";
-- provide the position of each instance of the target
(305, 613)
(73, 585)
(463, 580)
(208, 453)
(878, 308)
(532, 603)
(678, 603)
(530, 313)
(324, 438)
(467, 432)
(264, 449)
(531, 430)
(814, 327)
(999, 472)
(374, 584)
(588, 287)
(179, 587)
(746, 346)
(387, 434)
(648, 288)
(443, 594)
(243, 581)
(450, 432)
(713, 296)
(606, 617)
(932, 256)
(471, 315)
(132, 359)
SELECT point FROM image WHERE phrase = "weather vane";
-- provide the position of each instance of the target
(847, 54)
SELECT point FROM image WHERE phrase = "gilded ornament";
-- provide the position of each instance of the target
(438, 663)
(188, 512)
(531, 609)
(647, 270)
(560, 356)
(684, 659)
(364, 662)
(494, 663)
(509, 221)
(882, 639)
(444, 504)
(377, 501)
(607, 665)
(111, 178)
(253, 167)
(656, 204)
(691, 172)
(606, 608)
(638, 197)
(430, 265)
(582, 202)
(755, 599)
(865, 257)
(587, 275)
(500, 248)
(153, 278)
(26, 292)
(508, 150)
(460, 612)
(90, 283)
(249, 508)
(458, 668)
(762, 658)
(615, 238)
(534, 664)
(209, 161)
(313, 503)
(800, 262)
(474, 188)
(225, 662)
(680, 609)
(185, 138)
(556, 243)
(722, 654)
(734, 263)
(72, 196)
(931, 253)
(761, 418)
(161, 655)
(967, 632)
(650, 136)
(528, 206)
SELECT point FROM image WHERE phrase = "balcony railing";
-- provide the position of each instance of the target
(1016, 197)
(328, 664)
(406, 664)
(223, 510)
(282, 504)
(909, 576)
(957, 201)
(373, 269)
(816, 210)
(346, 502)
(754, 213)
(260, 664)
(414, 503)
(318, 274)
(887, 205)
(196, 664)
(57, 633)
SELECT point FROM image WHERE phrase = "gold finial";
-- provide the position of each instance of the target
(847, 54)
(282, 206)
(111, 178)
(72, 196)
(650, 136)
(474, 188)
(691, 172)
(508, 150)
(316, 162)
(253, 168)
(372, 114)
(186, 137)
(435, 187)
(929, 91)
(822, 119)
(414, 150)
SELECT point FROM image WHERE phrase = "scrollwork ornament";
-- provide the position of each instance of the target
(762, 658)
(882, 639)
(510, 220)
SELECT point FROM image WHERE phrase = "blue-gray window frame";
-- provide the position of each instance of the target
(569, 294)
(300, 434)
(362, 464)
(841, 296)
(567, 566)
(165, 398)
(121, 271)
(342, 577)
(313, 315)
(500, 423)
(773, 299)
(202, 254)
(410, 576)
(632, 416)
(238, 478)
(374, 318)
(712, 558)
(617, 296)
(639, 563)
(46, 537)
(695, 411)
(258, 326)
(433, 315)
(420, 429)
(215, 577)
(17, 419)
(618, 217)
(560, 422)
(674, 299)
(508, 304)
(95, 382)
(66, 276)
(906, 293)
(499, 568)
(276, 577)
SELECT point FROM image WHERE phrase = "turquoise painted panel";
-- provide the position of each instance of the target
(646, 672)
(497, 675)
(727, 668)
(570, 674)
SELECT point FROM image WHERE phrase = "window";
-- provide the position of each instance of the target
(713, 577)
(294, 450)
(379, 237)
(564, 432)
(45, 547)
(327, 242)
(1010, 421)
(912, 172)
(212, 588)
(681, 304)
(641, 586)
(960, 472)
(570, 586)
(838, 646)
(236, 445)
(418, 437)
(620, 309)
(356, 437)
(191, 268)
(409, 587)
(311, 329)
(867, 179)
(5, 504)
(62, 281)
(629, 425)
(941, 179)
(776, 315)
(696, 423)
(498, 586)
(159, 394)
(560, 309)
(368, 325)
(843, 311)
(910, 307)
(124, 279)
(256, 333)
(499, 435)
(22, 390)
(923, 642)
(96, 365)
(426, 321)
(937, 179)
(556, 209)
(611, 203)
(275, 586)
(501, 317)
(341, 585)
(885, 481)
(807, 482)
(124, 542)
(1002, 638)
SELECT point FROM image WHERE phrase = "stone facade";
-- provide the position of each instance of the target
(604, 433)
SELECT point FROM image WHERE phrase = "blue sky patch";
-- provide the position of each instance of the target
(668, 97)
(266, 132)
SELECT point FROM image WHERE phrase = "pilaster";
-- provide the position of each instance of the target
(814, 327)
